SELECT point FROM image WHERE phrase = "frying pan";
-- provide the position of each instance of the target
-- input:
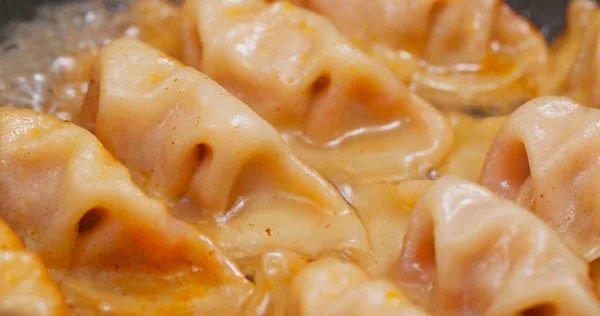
(547, 15)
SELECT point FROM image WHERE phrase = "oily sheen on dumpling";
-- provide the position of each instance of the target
(460, 54)
(26, 287)
(576, 56)
(546, 158)
(333, 287)
(219, 165)
(291, 284)
(469, 252)
(273, 274)
(109, 246)
(339, 109)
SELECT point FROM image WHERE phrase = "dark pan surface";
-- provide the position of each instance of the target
(548, 15)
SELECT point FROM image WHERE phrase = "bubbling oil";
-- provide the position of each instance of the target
(45, 62)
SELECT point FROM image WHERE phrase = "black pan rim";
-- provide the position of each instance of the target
(546, 15)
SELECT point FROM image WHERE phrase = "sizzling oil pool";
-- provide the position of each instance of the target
(41, 62)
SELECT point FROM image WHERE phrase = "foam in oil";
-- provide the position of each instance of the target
(45, 62)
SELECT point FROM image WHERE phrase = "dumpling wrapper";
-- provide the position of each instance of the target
(332, 287)
(462, 54)
(158, 23)
(469, 252)
(291, 284)
(272, 276)
(218, 164)
(546, 158)
(339, 109)
(576, 56)
(109, 247)
(26, 287)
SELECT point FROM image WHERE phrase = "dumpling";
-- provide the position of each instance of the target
(219, 165)
(576, 56)
(26, 288)
(461, 54)
(330, 286)
(109, 247)
(158, 23)
(291, 284)
(546, 158)
(469, 252)
(339, 109)
(272, 276)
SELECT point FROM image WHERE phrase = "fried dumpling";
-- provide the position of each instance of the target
(330, 286)
(546, 158)
(273, 276)
(157, 22)
(576, 56)
(469, 252)
(339, 109)
(460, 54)
(26, 287)
(109, 246)
(291, 284)
(216, 162)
